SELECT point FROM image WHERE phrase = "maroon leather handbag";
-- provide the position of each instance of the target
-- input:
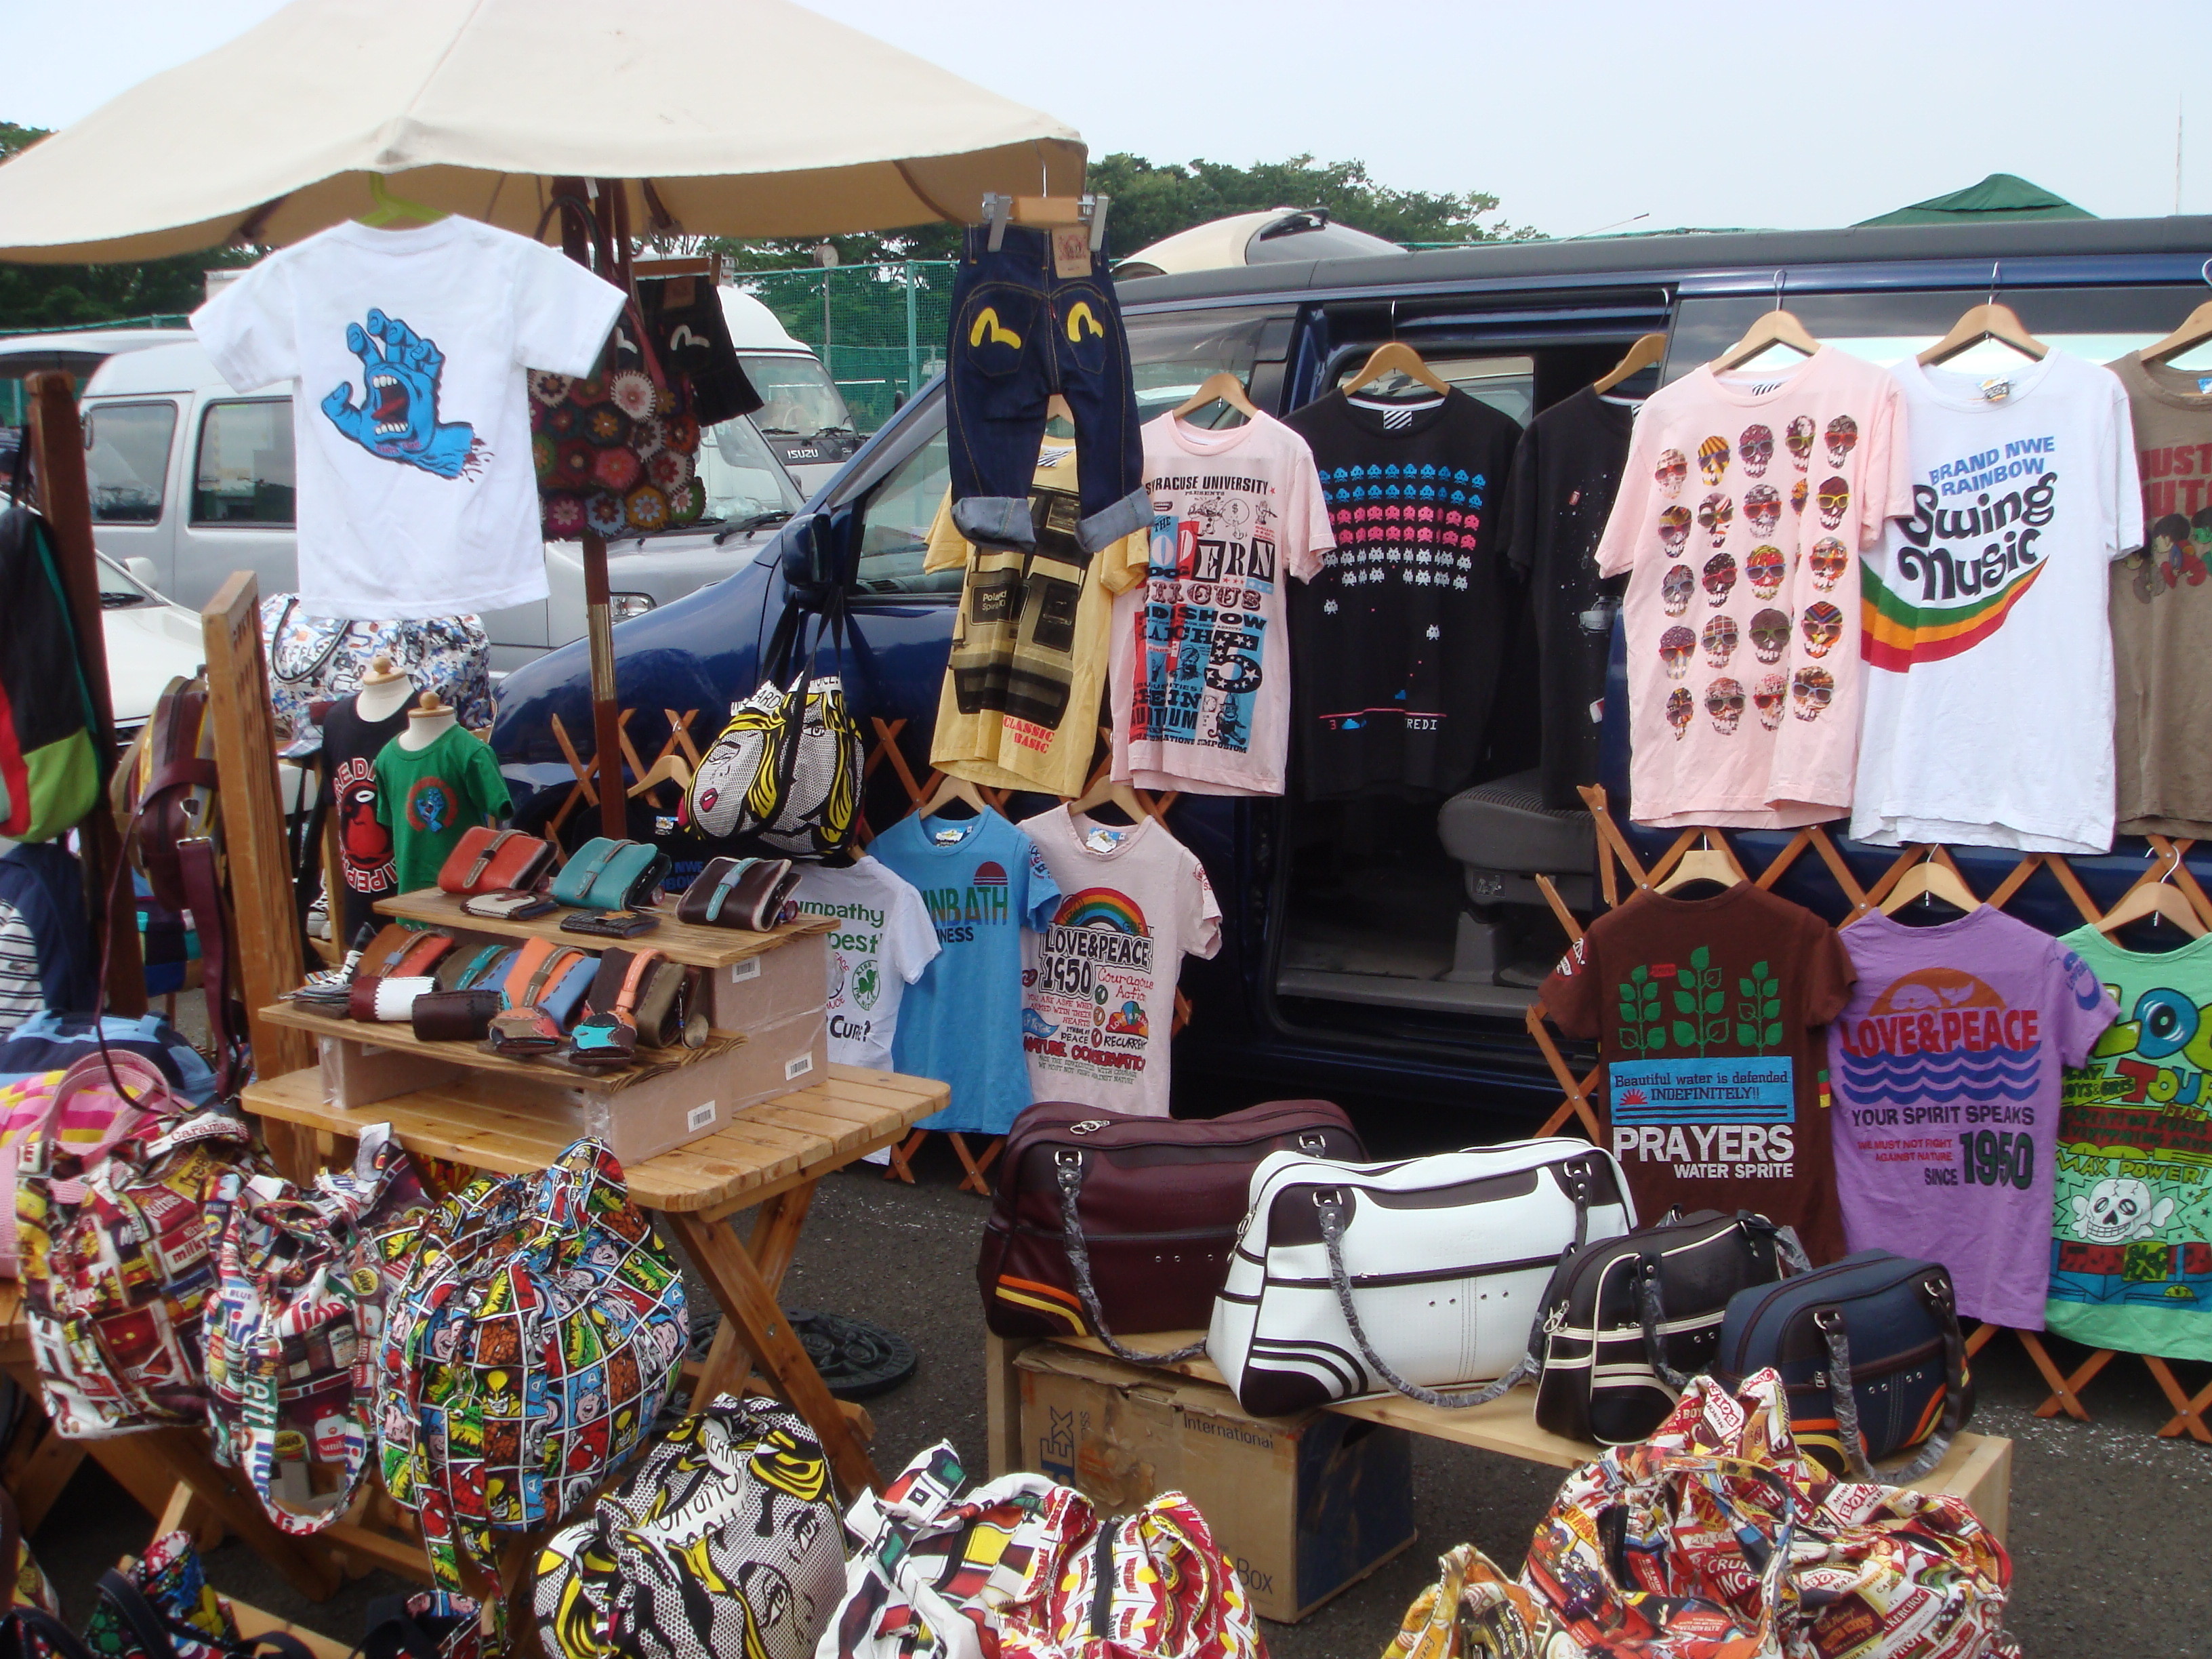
(1105, 1222)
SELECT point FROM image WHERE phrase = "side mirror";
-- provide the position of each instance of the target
(143, 569)
(813, 552)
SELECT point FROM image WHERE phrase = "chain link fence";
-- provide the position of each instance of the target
(879, 330)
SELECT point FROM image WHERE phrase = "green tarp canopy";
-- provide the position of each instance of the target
(2000, 196)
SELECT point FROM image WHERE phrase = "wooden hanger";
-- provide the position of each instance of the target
(1107, 790)
(1701, 863)
(669, 768)
(2195, 330)
(1221, 387)
(1778, 327)
(2160, 898)
(392, 210)
(1395, 355)
(1986, 321)
(1046, 212)
(1930, 879)
(1648, 351)
(950, 789)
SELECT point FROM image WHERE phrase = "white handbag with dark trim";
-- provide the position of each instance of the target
(1420, 1276)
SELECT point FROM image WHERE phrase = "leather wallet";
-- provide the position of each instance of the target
(610, 1037)
(454, 1015)
(486, 860)
(610, 924)
(386, 998)
(611, 875)
(509, 904)
(400, 950)
(747, 893)
(523, 1031)
(656, 1002)
(480, 965)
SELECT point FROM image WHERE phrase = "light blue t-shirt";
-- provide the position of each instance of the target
(961, 1022)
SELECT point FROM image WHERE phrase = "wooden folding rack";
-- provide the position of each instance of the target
(1616, 857)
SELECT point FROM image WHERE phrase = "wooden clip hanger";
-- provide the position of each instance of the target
(2196, 329)
(1931, 878)
(1775, 327)
(1647, 352)
(1045, 213)
(2160, 899)
(1701, 863)
(1986, 321)
(1221, 386)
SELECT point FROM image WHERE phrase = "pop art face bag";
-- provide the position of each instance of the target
(525, 1354)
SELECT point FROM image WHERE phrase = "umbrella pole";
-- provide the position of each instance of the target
(598, 623)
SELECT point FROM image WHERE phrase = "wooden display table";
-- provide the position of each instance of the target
(771, 1155)
(1978, 1468)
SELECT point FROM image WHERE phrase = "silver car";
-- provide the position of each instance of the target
(197, 480)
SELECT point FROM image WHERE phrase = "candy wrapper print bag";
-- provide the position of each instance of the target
(1715, 1539)
(525, 1354)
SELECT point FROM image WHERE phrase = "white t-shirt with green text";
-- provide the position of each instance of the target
(884, 939)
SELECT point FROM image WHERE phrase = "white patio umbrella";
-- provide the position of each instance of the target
(731, 118)
(728, 118)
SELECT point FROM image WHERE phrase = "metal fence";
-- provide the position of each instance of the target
(879, 329)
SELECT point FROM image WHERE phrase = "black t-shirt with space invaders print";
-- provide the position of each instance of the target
(1397, 644)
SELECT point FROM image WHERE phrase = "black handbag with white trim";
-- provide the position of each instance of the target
(1629, 1321)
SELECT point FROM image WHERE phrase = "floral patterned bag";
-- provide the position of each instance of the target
(525, 1354)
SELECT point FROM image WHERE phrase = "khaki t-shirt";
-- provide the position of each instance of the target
(2161, 610)
(1020, 705)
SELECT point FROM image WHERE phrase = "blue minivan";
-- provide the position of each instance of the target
(1385, 950)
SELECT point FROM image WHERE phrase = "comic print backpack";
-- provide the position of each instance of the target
(786, 771)
(723, 1540)
(525, 1354)
(292, 1330)
(115, 1243)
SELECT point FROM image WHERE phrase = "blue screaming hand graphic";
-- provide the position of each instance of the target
(397, 418)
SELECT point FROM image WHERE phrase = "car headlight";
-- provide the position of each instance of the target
(621, 607)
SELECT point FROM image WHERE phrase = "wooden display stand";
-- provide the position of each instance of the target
(1978, 1467)
(1614, 849)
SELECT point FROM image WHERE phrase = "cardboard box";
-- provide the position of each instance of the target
(1305, 1507)
(776, 1059)
(775, 986)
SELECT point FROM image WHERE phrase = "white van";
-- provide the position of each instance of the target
(198, 480)
(803, 415)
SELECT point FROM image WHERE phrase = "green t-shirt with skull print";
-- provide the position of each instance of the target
(2132, 1225)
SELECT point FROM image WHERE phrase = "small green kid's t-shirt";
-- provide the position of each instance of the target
(428, 797)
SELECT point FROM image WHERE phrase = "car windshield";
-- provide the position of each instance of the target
(798, 398)
(744, 483)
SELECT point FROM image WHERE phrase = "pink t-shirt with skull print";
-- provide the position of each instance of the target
(1747, 501)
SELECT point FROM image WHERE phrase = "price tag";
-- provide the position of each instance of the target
(1071, 251)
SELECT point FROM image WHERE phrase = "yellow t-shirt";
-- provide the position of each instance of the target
(1022, 692)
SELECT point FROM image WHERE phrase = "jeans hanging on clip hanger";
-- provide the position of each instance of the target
(1021, 331)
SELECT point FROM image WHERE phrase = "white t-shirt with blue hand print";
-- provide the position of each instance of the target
(407, 352)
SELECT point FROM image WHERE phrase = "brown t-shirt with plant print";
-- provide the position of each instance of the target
(1708, 1013)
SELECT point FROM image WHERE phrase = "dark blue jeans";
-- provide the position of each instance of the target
(1019, 334)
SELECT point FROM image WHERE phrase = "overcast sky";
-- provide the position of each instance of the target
(1578, 116)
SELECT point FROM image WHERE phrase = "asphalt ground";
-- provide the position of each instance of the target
(2111, 1529)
